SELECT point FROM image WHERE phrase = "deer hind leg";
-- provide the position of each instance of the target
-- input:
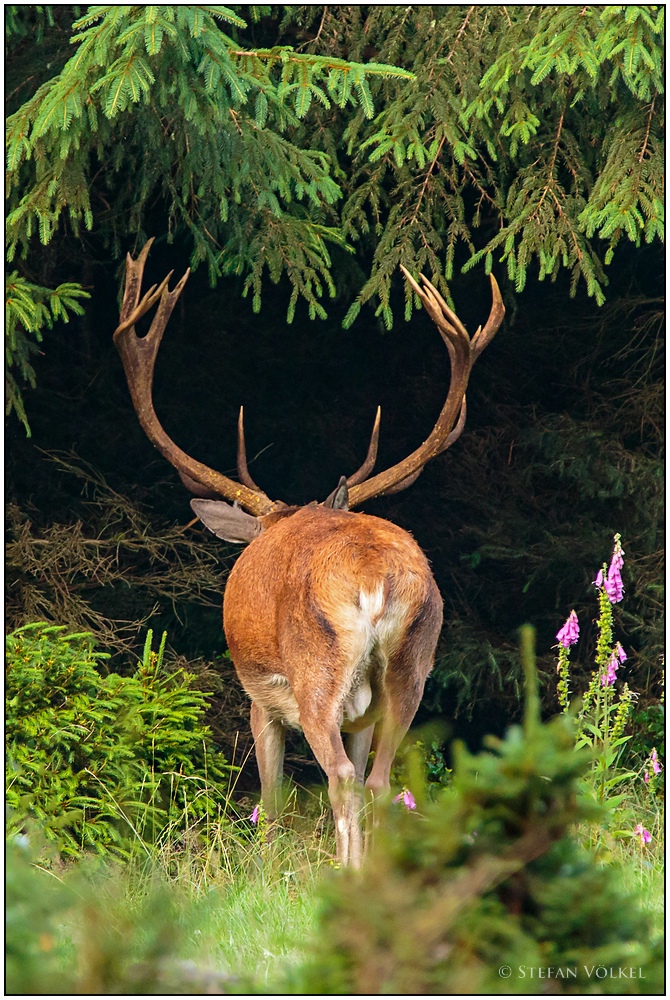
(344, 791)
(404, 682)
(269, 740)
(358, 750)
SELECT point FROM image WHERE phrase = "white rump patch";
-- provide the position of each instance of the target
(279, 680)
(372, 604)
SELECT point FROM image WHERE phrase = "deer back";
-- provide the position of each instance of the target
(324, 585)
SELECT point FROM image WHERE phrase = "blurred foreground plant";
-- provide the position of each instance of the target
(489, 876)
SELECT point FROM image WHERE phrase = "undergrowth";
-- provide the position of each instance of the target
(134, 867)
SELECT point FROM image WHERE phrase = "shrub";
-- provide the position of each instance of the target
(101, 761)
(480, 890)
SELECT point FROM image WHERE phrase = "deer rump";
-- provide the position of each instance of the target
(325, 612)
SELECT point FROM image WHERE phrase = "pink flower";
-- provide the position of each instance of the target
(646, 777)
(644, 835)
(655, 763)
(569, 634)
(609, 677)
(620, 653)
(598, 582)
(614, 584)
(617, 554)
(255, 814)
(407, 799)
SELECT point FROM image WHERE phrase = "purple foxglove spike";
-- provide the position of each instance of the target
(614, 585)
(569, 634)
(609, 677)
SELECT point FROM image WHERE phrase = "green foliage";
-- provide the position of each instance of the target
(86, 934)
(20, 23)
(648, 726)
(527, 132)
(29, 309)
(488, 877)
(216, 117)
(484, 876)
(604, 710)
(35, 902)
(249, 158)
(102, 762)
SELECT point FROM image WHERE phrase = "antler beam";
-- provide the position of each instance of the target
(463, 352)
(138, 355)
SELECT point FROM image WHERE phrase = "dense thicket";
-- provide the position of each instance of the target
(454, 139)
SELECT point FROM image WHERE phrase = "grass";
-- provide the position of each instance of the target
(234, 916)
(237, 917)
(643, 865)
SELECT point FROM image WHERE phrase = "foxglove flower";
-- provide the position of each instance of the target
(598, 582)
(644, 835)
(617, 554)
(569, 634)
(406, 798)
(620, 653)
(609, 677)
(255, 814)
(614, 584)
(655, 762)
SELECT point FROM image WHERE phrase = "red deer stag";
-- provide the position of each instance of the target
(331, 617)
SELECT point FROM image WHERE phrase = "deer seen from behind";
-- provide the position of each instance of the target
(332, 617)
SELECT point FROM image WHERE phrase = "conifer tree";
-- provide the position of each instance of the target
(528, 136)
(165, 104)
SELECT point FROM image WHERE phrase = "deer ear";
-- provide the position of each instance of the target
(339, 498)
(230, 523)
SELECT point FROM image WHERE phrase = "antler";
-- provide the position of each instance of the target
(463, 352)
(139, 358)
(371, 457)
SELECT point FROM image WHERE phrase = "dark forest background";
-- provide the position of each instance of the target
(563, 444)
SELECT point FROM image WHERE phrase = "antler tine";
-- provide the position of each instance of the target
(403, 484)
(462, 353)
(485, 336)
(454, 323)
(242, 467)
(449, 325)
(139, 357)
(371, 457)
(146, 303)
(133, 282)
(458, 429)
